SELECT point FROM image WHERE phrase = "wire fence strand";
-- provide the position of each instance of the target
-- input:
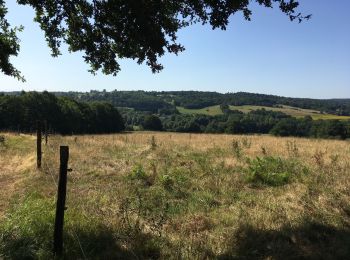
(50, 172)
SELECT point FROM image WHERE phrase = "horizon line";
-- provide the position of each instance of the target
(148, 91)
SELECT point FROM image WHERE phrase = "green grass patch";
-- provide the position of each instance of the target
(273, 171)
(210, 111)
(292, 111)
(16, 143)
(27, 232)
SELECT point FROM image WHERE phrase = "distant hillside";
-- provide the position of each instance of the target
(105, 112)
(166, 101)
(288, 110)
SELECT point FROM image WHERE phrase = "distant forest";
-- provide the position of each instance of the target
(108, 112)
(62, 115)
(166, 101)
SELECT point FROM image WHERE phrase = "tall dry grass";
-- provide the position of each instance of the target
(171, 195)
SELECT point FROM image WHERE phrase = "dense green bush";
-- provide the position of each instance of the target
(152, 122)
(273, 171)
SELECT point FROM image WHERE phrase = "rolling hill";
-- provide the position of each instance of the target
(288, 110)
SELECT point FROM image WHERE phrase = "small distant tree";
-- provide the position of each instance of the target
(152, 122)
(224, 107)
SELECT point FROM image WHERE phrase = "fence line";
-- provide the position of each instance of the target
(75, 235)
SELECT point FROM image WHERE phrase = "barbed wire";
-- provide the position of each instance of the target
(52, 175)
(73, 229)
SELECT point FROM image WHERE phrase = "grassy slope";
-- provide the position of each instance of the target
(186, 196)
(212, 111)
(293, 111)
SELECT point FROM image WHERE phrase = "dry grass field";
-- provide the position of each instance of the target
(152, 195)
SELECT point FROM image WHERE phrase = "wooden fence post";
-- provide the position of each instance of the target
(45, 132)
(38, 144)
(61, 200)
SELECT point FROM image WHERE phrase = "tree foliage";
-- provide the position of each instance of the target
(165, 102)
(255, 122)
(142, 30)
(63, 115)
(152, 122)
(9, 44)
(66, 115)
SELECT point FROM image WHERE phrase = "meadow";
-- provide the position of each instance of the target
(289, 110)
(154, 195)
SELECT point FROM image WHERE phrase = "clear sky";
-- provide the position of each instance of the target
(269, 55)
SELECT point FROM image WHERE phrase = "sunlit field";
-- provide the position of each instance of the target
(178, 196)
(288, 110)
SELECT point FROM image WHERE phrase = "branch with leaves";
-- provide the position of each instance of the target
(109, 30)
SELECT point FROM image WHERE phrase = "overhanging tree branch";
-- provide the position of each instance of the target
(9, 44)
(109, 30)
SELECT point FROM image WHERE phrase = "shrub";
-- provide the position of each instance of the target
(273, 171)
(176, 183)
(152, 122)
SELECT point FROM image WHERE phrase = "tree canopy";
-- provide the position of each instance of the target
(63, 115)
(109, 30)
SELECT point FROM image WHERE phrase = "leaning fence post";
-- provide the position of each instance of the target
(61, 200)
(38, 144)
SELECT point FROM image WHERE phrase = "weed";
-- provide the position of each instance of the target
(272, 171)
(145, 209)
(177, 183)
(153, 143)
(154, 172)
(334, 159)
(167, 182)
(237, 149)
(138, 174)
(246, 142)
(335, 163)
(292, 149)
(319, 158)
(263, 150)
(2, 140)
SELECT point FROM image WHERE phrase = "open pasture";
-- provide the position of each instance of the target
(171, 196)
(292, 111)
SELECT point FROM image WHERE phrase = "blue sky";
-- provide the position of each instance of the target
(269, 55)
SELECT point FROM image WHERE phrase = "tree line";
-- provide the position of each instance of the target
(165, 102)
(62, 114)
(235, 122)
(68, 116)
